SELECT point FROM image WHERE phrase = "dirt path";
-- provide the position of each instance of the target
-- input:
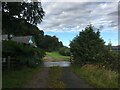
(39, 80)
(69, 79)
(72, 81)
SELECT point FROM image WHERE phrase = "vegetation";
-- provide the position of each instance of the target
(13, 12)
(21, 19)
(98, 63)
(98, 77)
(65, 51)
(57, 56)
(112, 61)
(25, 54)
(93, 60)
(55, 74)
(17, 78)
(88, 47)
(51, 43)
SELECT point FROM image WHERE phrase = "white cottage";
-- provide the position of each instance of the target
(25, 39)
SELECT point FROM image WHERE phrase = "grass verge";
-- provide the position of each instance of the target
(97, 77)
(18, 78)
(55, 74)
(57, 56)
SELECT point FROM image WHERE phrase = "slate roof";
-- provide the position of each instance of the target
(4, 37)
(22, 39)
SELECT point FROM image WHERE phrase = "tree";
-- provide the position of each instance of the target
(50, 43)
(14, 13)
(88, 47)
(21, 18)
(110, 46)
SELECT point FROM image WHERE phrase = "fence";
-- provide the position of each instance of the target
(9, 62)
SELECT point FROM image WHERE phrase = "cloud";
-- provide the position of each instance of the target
(75, 16)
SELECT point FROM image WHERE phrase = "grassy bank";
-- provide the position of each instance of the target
(57, 56)
(97, 77)
(55, 74)
(18, 78)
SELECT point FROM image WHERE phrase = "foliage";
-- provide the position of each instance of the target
(97, 76)
(18, 78)
(112, 60)
(25, 54)
(50, 43)
(31, 12)
(65, 51)
(21, 19)
(88, 47)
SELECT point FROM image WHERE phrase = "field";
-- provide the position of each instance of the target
(55, 56)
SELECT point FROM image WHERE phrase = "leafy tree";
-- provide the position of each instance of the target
(16, 13)
(21, 18)
(50, 43)
(88, 47)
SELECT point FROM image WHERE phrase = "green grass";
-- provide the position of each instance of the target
(55, 74)
(97, 77)
(57, 56)
(18, 78)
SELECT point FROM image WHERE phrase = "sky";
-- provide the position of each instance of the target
(66, 19)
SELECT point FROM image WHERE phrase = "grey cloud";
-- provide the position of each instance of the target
(63, 16)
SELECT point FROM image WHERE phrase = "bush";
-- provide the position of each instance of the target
(65, 51)
(25, 54)
(9, 48)
(112, 60)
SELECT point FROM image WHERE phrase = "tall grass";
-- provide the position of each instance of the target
(18, 78)
(96, 76)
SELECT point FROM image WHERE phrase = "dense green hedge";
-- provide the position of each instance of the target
(25, 54)
(65, 51)
(112, 60)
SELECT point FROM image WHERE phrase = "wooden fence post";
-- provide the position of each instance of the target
(8, 62)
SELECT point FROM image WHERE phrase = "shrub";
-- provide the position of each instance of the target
(25, 54)
(65, 51)
(112, 60)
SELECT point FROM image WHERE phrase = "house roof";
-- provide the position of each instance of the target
(22, 39)
(116, 47)
(4, 37)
